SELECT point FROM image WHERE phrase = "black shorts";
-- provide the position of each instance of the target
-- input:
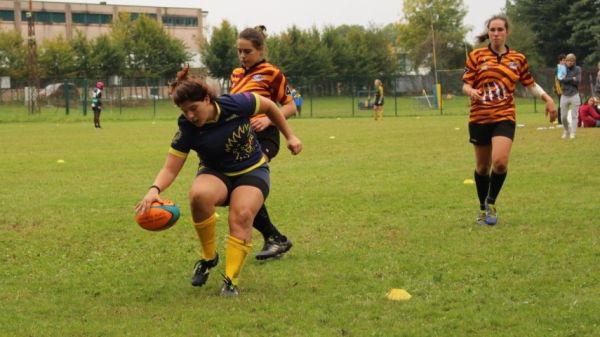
(482, 134)
(269, 141)
(259, 178)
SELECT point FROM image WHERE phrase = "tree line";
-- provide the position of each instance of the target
(141, 48)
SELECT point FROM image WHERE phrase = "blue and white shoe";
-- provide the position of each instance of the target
(491, 216)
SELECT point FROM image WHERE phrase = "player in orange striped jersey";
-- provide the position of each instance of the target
(257, 75)
(490, 78)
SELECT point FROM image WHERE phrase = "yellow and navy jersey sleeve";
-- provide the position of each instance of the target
(496, 77)
(181, 146)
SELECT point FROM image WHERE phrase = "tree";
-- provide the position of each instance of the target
(300, 53)
(106, 59)
(13, 53)
(584, 16)
(83, 51)
(149, 50)
(219, 55)
(426, 20)
(57, 58)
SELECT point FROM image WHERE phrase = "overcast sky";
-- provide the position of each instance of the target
(308, 13)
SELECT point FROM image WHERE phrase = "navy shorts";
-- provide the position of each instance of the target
(259, 178)
(482, 134)
(269, 141)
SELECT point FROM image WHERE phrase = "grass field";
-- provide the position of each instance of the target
(370, 206)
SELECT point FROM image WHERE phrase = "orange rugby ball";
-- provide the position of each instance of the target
(159, 217)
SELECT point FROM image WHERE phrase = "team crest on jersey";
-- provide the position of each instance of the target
(258, 77)
(513, 65)
(241, 143)
(484, 67)
(288, 92)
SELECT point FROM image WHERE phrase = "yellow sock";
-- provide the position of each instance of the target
(206, 234)
(235, 256)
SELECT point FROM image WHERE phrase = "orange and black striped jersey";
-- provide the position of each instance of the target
(264, 79)
(496, 77)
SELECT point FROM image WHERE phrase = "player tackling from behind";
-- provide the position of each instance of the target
(259, 76)
(232, 169)
(490, 78)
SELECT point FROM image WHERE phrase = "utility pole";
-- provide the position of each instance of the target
(33, 79)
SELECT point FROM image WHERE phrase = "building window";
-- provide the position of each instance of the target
(187, 21)
(7, 15)
(92, 18)
(134, 16)
(45, 17)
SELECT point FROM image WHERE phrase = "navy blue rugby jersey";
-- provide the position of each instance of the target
(227, 144)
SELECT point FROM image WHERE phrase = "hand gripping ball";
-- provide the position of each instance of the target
(159, 217)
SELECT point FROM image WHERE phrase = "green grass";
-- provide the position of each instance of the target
(382, 205)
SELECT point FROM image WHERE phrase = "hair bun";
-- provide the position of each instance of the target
(183, 73)
(261, 29)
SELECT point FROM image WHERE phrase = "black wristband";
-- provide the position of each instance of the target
(157, 188)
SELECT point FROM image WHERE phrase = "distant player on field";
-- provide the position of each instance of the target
(378, 103)
(97, 103)
(257, 75)
(490, 78)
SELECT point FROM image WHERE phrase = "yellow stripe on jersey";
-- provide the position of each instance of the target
(177, 153)
(260, 162)
(257, 107)
(496, 77)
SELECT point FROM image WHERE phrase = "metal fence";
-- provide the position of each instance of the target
(322, 96)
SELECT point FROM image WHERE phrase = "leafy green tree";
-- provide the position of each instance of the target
(149, 50)
(83, 51)
(549, 39)
(106, 58)
(57, 58)
(584, 16)
(300, 53)
(13, 53)
(429, 21)
(219, 55)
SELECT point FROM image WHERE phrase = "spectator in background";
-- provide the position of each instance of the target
(561, 71)
(597, 86)
(298, 100)
(588, 115)
(570, 97)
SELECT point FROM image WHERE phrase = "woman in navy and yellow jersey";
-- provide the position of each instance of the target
(232, 169)
(259, 76)
(491, 75)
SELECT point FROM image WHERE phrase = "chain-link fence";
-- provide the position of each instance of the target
(139, 98)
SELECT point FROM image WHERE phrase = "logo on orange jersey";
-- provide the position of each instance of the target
(513, 65)
(258, 77)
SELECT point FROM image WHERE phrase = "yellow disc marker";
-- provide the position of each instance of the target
(468, 182)
(397, 294)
